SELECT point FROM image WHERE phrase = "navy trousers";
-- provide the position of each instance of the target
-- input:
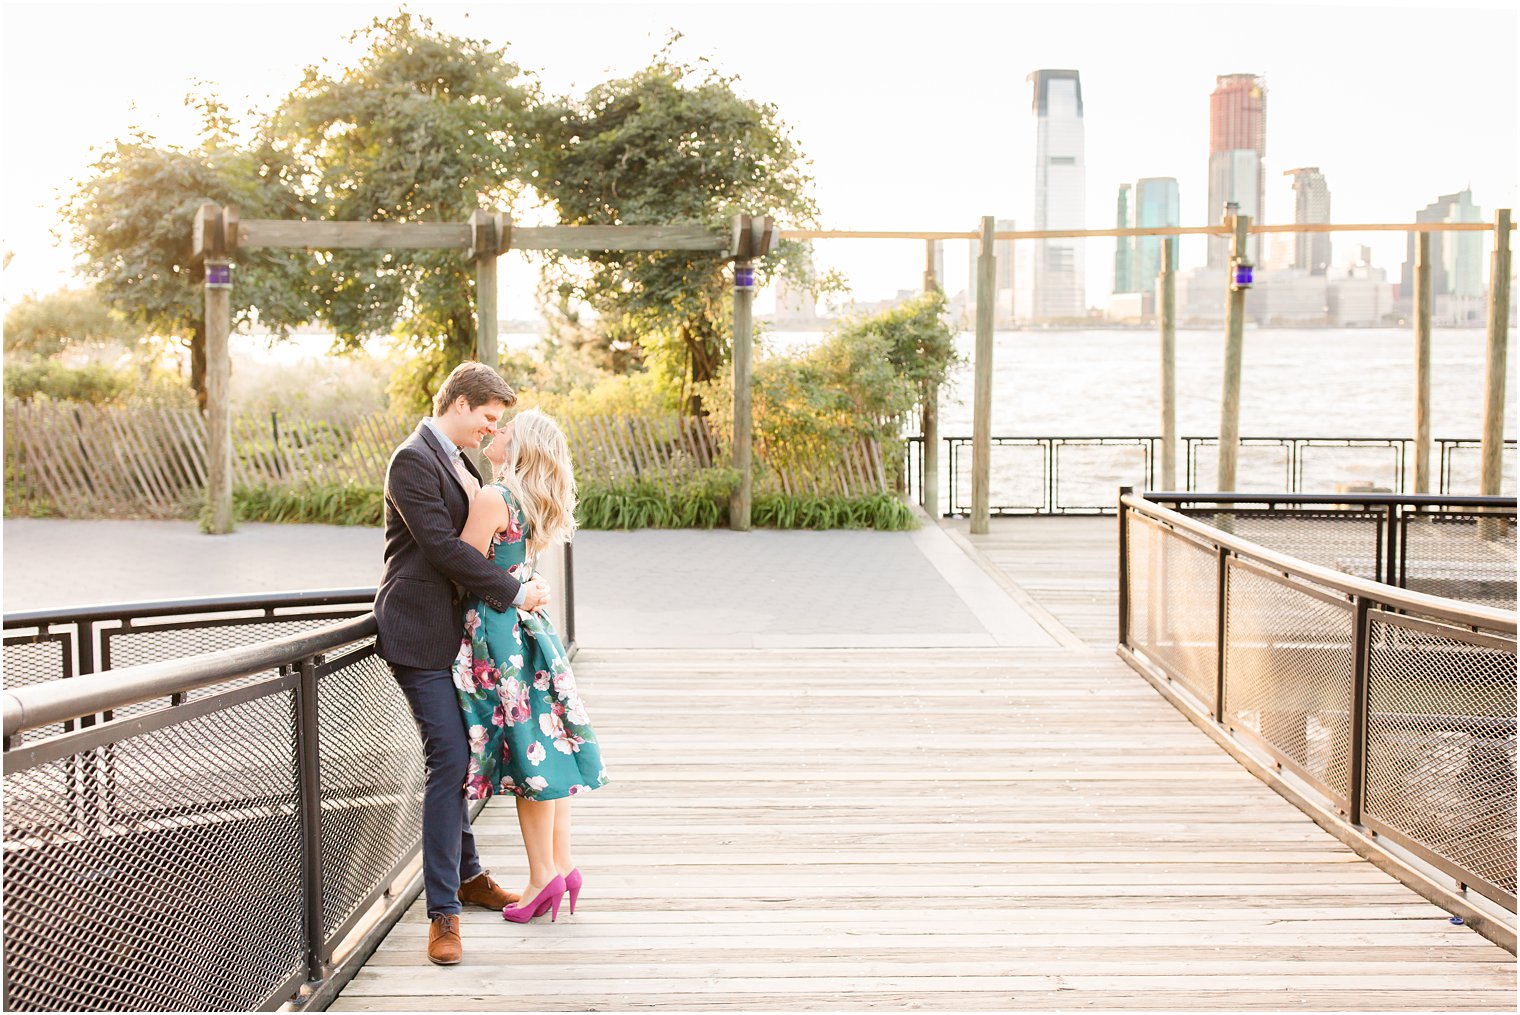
(448, 844)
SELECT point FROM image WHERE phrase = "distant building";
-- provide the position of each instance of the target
(1237, 148)
(1060, 188)
(1311, 206)
(1457, 258)
(1362, 297)
(1124, 248)
(1156, 204)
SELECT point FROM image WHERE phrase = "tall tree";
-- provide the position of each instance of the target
(131, 222)
(670, 145)
(424, 128)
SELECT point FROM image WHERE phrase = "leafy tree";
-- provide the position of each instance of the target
(423, 129)
(669, 145)
(46, 325)
(131, 220)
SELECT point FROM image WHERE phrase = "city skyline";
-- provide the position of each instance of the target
(872, 137)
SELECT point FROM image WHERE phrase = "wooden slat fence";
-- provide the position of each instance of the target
(93, 461)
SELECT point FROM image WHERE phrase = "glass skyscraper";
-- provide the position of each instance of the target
(1311, 204)
(1156, 204)
(1060, 195)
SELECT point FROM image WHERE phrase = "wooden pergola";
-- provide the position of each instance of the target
(218, 233)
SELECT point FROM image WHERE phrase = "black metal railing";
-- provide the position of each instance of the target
(224, 819)
(1457, 547)
(1076, 475)
(1396, 706)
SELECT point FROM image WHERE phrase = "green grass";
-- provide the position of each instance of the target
(881, 511)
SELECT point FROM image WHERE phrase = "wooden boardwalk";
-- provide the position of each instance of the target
(933, 829)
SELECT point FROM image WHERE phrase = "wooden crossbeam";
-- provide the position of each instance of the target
(314, 235)
(618, 238)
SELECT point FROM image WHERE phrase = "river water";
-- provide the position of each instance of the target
(1328, 383)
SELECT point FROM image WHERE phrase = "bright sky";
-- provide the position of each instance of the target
(915, 116)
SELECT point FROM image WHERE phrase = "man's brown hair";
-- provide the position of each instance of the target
(478, 384)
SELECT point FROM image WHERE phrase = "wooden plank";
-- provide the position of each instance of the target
(619, 238)
(312, 235)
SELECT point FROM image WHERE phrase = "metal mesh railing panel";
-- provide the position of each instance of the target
(1179, 627)
(1344, 541)
(372, 783)
(1288, 674)
(1461, 555)
(145, 644)
(192, 908)
(30, 662)
(1441, 743)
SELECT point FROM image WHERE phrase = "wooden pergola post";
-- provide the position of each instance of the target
(213, 243)
(1166, 314)
(981, 415)
(490, 237)
(753, 237)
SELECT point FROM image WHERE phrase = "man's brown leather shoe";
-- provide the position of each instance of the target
(482, 891)
(444, 946)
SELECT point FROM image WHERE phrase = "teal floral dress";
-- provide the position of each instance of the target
(529, 732)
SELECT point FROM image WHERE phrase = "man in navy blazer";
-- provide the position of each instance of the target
(428, 487)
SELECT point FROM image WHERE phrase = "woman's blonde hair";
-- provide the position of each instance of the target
(540, 477)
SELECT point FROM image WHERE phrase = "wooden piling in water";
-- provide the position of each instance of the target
(1422, 297)
(1166, 313)
(1229, 407)
(981, 421)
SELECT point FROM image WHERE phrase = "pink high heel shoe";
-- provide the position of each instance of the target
(546, 901)
(573, 882)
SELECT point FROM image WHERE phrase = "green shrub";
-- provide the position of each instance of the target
(881, 511)
(696, 502)
(311, 504)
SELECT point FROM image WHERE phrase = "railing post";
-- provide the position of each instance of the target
(1220, 632)
(309, 799)
(569, 599)
(1360, 672)
(1124, 567)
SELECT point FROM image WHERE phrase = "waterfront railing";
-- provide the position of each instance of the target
(1054, 475)
(210, 804)
(1393, 709)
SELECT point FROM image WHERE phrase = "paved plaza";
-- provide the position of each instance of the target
(646, 589)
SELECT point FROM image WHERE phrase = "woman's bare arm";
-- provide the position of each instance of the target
(488, 516)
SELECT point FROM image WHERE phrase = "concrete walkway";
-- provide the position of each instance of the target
(647, 589)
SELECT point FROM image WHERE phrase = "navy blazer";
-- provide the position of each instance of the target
(418, 605)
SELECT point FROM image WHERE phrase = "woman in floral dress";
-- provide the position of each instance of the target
(529, 733)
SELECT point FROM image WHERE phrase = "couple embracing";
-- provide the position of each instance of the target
(462, 623)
